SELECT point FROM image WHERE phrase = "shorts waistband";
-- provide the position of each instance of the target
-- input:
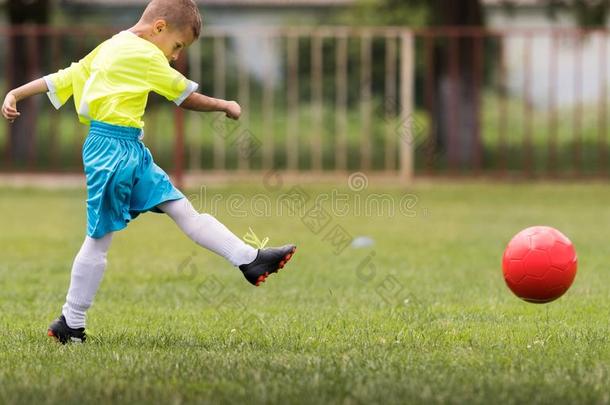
(115, 131)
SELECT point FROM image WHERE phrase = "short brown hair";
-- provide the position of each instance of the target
(178, 14)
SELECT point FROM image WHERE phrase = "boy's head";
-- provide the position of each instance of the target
(173, 24)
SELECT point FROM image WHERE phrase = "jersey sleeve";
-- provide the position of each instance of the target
(61, 84)
(167, 81)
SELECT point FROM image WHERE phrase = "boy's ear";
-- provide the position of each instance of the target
(159, 26)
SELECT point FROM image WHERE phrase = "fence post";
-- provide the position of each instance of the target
(243, 95)
(317, 99)
(292, 138)
(178, 171)
(219, 72)
(406, 137)
(341, 96)
(366, 89)
(390, 101)
(273, 40)
(195, 131)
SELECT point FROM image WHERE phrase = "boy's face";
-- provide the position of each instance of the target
(170, 41)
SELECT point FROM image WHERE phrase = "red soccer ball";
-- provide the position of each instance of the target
(539, 264)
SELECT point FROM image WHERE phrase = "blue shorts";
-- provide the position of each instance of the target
(122, 179)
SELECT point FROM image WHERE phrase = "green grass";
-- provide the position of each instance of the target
(319, 332)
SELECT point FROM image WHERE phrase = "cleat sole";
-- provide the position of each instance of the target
(262, 278)
(52, 335)
(287, 258)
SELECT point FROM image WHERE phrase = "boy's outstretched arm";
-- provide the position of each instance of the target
(9, 106)
(199, 102)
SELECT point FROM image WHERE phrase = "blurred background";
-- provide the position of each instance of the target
(399, 88)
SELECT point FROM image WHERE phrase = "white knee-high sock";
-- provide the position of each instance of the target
(208, 232)
(87, 272)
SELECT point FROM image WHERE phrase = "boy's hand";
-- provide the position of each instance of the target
(233, 110)
(9, 108)
(200, 102)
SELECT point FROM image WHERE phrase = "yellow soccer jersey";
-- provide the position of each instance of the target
(112, 83)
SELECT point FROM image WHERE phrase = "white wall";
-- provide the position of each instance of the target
(571, 52)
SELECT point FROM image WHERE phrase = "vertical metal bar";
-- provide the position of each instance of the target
(429, 100)
(179, 135)
(578, 38)
(195, 132)
(407, 63)
(365, 100)
(502, 107)
(219, 91)
(478, 80)
(552, 114)
(341, 103)
(8, 156)
(292, 145)
(603, 105)
(268, 116)
(54, 115)
(243, 90)
(32, 71)
(317, 100)
(454, 116)
(527, 103)
(179, 146)
(390, 102)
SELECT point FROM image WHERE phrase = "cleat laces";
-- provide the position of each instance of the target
(252, 239)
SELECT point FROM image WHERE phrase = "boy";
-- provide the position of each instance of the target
(110, 87)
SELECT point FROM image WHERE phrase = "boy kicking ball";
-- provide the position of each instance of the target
(110, 87)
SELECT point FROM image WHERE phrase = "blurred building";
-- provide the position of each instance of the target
(577, 61)
(499, 13)
(525, 13)
(262, 58)
(287, 80)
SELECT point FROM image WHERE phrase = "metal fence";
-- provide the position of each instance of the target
(444, 101)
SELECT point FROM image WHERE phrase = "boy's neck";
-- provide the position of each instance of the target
(142, 30)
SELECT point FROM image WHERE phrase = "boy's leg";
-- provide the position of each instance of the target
(205, 230)
(208, 232)
(87, 272)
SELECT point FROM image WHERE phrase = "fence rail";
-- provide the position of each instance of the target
(448, 101)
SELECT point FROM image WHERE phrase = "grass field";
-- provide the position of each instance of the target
(427, 319)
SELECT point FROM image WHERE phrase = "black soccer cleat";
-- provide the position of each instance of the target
(268, 261)
(60, 330)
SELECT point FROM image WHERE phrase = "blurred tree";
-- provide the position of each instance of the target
(20, 69)
(455, 73)
(455, 94)
(588, 13)
(414, 13)
(28, 11)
